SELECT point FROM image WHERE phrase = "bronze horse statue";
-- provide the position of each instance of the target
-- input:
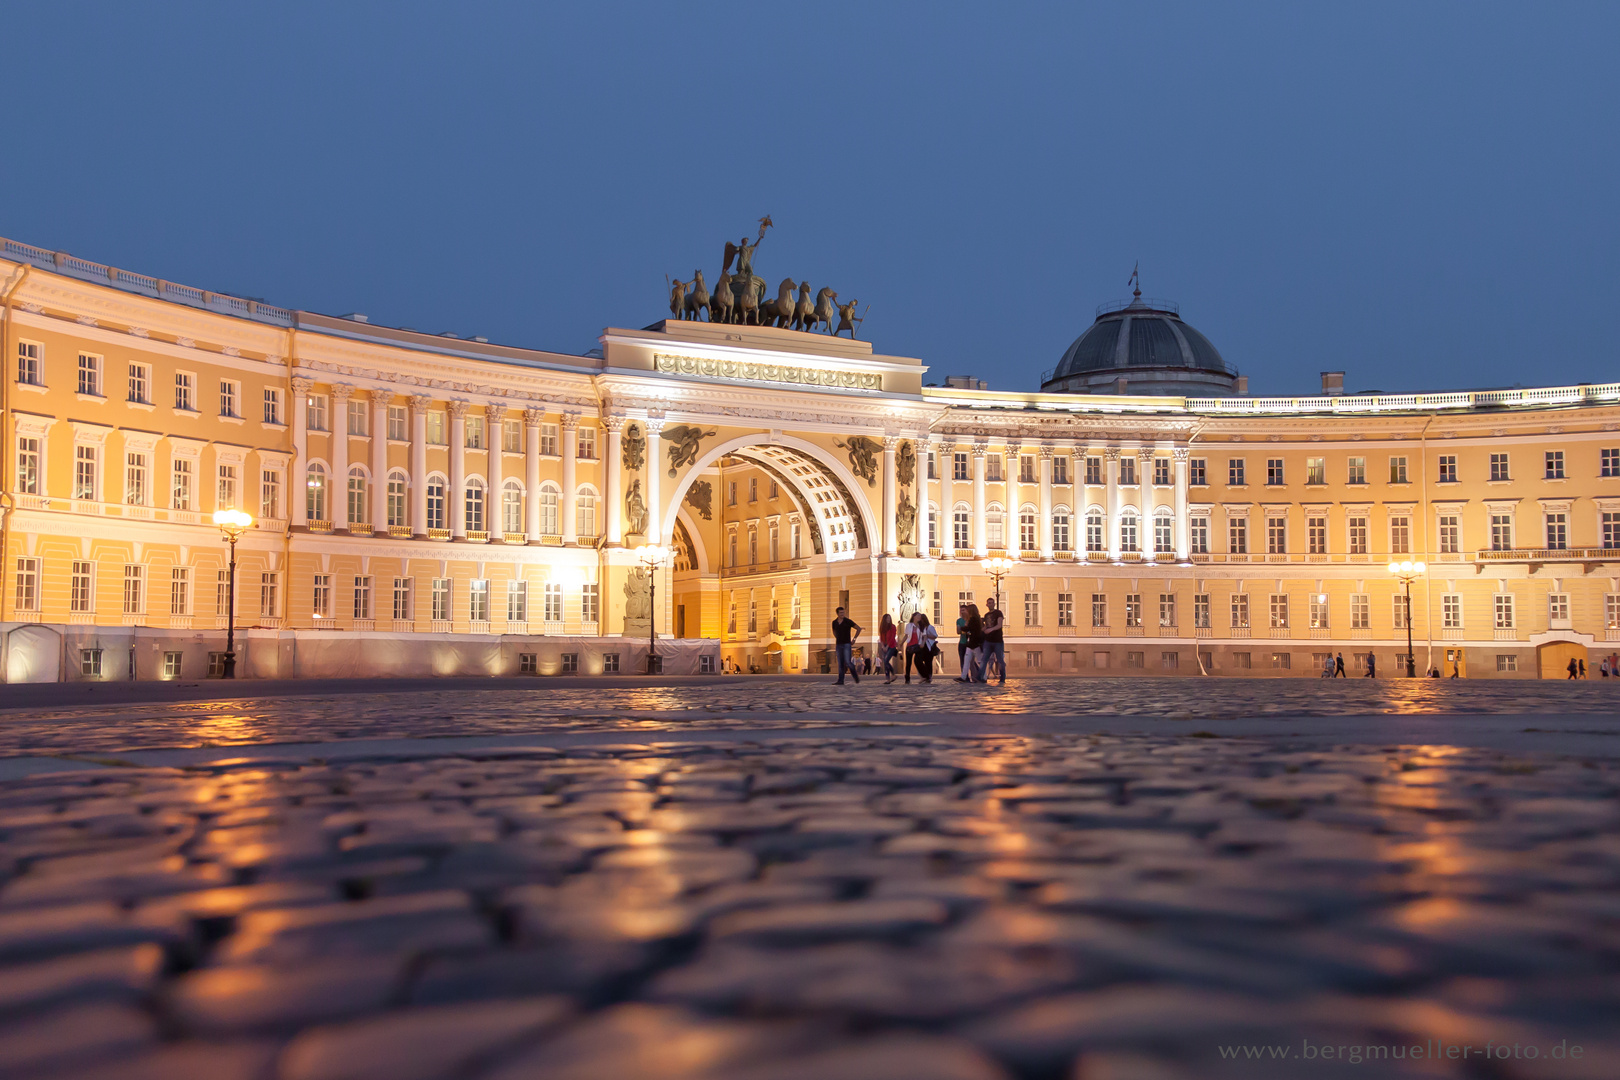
(804, 311)
(697, 298)
(779, 312)
(823, 313)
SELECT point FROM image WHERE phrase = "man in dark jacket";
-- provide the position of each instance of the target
(845, 631)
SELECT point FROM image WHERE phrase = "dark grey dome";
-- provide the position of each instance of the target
(1145, 343)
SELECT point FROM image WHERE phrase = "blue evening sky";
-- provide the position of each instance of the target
(1422, 194)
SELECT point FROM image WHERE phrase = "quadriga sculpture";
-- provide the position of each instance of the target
(697, 297)
(804, 311)
(779, 312)
(826, 300)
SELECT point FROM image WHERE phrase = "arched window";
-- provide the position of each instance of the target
(1094, 531)
(316, 487)
(549, 494)
(1028, 537)
(359, 505)
(961, 530)
(512, 507)
(1060, 529)
(585, 513)
(435, 502)
(398, 504)
(1163, 527)
(1127, 531)
(474, 500)
(995, 532)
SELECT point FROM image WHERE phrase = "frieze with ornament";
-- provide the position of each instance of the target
(754, 371)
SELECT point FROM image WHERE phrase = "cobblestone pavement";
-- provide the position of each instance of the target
(903, 907)
(474, 708)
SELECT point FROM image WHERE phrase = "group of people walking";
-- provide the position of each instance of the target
(980, 646)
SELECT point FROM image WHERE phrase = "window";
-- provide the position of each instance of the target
(1065, 609)
(591, 602)
(134, 589)
(436, 431)
(1609, 462)
(550, 520)
(1060, 530)
(1281, 660)
(222, 592)
(180, 590)
(992, 467)
(1127, 470)
(230, 397)
(1279, 611)
(1316, 470)
(1198, 472)
(1198, 535)
(1133, 609)
(1397, 470)
(80, 597)
(1448, 468)
(548, 440)
(269, 595)
(86, 471)
(959, 527)
(171, 665)
(512, 436)
(315, 412)
(1356, 471)
(586, 448)
(1099, 609)
(1555, 465)
(360, 418)
(774, 493)
(362, 598)
(225, 495)
(270, 493)
(441, 600)
(315, 487)
(1234, 472)
(995, 531)
(753, 546)
(27, 584)
(90, 663)
(1400, 612)
(1358, 535)
(512, 507)
(959, 466)
(1507, 662)
(478, 600)
(1360, 611)
(1276, 536)
(473, 431)
(1450, 534)
(1400, 534)
(753, 489)
(753, 614)
(1094, 532)
(180, 483)
(1032, 659)
(517, 601)
(1127, 533)
(1499, 467)
(1557, 532)
(359, 504)
(610, 663)
(1032, 609)
(1167, 609)
(1094, 470)
(90, 374)
(1611, 612)
(1240, 610)
(1319, 611)
(435, 502)
(185, 398)
(29, 367)
(473, 506)
(1163, 529)
(1451, 611)
(1501, 532)
(272, 405)
(1316, 535)
(1504, 611)
(776, 538)
(135, 479)
(321, 598)
(1161, 472)
(585, 514)
(1610, 522)
(402, 598)
(1135, 659)
(140, 384)
(1201, 611)
(1237, 535)
(27, 465)
(933, 471)
(1026, 469)
(1169, 661)
(1274, 471)
(1060, 470)
(398, 424)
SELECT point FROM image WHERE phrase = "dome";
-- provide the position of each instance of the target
(1145, 343)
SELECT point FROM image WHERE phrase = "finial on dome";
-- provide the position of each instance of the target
(1136, 280)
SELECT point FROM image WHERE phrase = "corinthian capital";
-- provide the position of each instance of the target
(341, 392)
(458, 409)
(302, 385)
(532, 417)
(420, 403)
(1182, 453)
(570, 421)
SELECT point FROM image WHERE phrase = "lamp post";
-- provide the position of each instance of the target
(1407, 572)
(998, 568)
(651, 557)
(232, 524)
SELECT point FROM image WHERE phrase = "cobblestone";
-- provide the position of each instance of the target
(775, 905)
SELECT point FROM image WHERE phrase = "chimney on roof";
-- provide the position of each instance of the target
(965, 382)
(1242, 386)
(355, 316)
(1332, 383)
(1120, 385)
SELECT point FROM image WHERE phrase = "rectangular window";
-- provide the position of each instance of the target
(1356, 471)
(27, 465)
(959, 528)
(610, 663)
(90, 663)
(1136, 659)
(554, 601)
(548, 440)
(90, 374)
(478, 600)
(1504, 611)
(269, 595)
(512, 436)
(80, 598)
(1400, 535)
(959, 466)
(992, 467)
(1360, 611)
(1032, 609)
(1555, 465)
(1448, 468)
(1609, 462)
(1610, 521)
(1281, 660)
(171, 665)
(590, 602)
(1507, 662)
(134, 589)
(473, 430)
(1099, 609)
(753, 614)
(398, 424)
(1127, 534)
(1133, 609)
(1198, 535)
(1274, 472)
(180, 590)
(1276, 536)
(436, 431)
(1358, 535)
(1557, 532)
(135, 479)
(517, 601)
(86, 471)
(1167, 609)
(27, 584)
(230, 397)
(1234, 472)
(570, 663)
(362, 598)
(933, 468)
(222, 592)
(1162, 529)
(1065, 609)
(1397, 470)
(359, 418)
(1279, 611)
(1240, 610)
(1611, 612)
(1237, 535)
(1201, 611)
(1060, 470)
(1161, 472)
(1499, 467)
(180, 484)
(1316, 531)
(402, 598)
(1501, 532)
(1032, 659)
(441, 600)
(1094, 532)
(1319, 611)
(1127, 470)
(1094, 470)
(1060, 531)
(1026, 469)
(270, 494)
(140, 384)
(226, 495)
(1400, 612)
(315, 412)
(185, 387)
(753, 489)
(1198, 472)
(272, 405)
(322, 596)
(1450, 534)
(30, 368)
(1451, 611)
(1316, 470)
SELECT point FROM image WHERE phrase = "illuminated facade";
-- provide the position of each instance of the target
(430, 504)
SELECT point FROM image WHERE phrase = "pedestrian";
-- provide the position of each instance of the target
(921, 639)
(1582, 662)
(866, 661)
(1338, 667)
(1456, 668)
(961, 643)
(1327, 667)
(994, 645)
(845, 631)
(888, 646)
(1603, 668)
(974, 652)
(1572, 667)
(1372, 666)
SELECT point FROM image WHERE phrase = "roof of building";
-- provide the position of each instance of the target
(1141, 333)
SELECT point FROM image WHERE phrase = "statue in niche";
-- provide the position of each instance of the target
(635, 510)
(912, 598)
(634, 449)
(700, 497)
(905, 518)
(905, 464)
(863, 454)
(683, 442)
(637, 603)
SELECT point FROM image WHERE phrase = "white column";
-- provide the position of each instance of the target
(655, 517)
(981, 546)
(1144, 498)
(570, 497)
(1111, 464)
(1046, 504)
(494, 473)
(612, 483)
(947, 500)
(297, 483)
(419, 469)
(338, 490)
(456, 498)
(920, 537)
(891, 497)
(531, 473)
(1183, 525)
(379, 461)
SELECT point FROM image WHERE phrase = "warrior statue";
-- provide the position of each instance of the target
(636, 510)
(847, 319)
(637, 605)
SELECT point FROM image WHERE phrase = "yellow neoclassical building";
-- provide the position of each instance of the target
(429, 504)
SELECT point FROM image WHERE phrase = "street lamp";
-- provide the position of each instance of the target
(998, 568)
(651, 557)
(1407, 572)
(232, 524)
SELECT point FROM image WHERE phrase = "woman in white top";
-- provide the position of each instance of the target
(919, 647)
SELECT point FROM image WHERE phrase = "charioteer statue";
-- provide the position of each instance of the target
(740, 297)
